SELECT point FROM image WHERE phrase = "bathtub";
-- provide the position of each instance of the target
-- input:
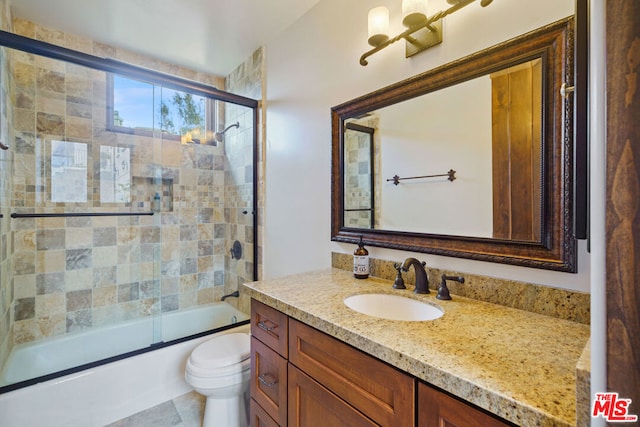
(103, 394)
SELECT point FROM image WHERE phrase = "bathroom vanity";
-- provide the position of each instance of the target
(314, 359)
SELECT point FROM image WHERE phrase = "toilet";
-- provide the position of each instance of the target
(220, 369)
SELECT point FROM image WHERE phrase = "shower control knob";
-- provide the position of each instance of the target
(236, 250)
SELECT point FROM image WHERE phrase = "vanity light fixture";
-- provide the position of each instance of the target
(423, 31)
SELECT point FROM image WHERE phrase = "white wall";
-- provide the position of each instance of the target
(313, 66)
(598, 174)
(429, 135)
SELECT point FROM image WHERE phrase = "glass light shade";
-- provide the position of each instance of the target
(378, 25)
(414, 12)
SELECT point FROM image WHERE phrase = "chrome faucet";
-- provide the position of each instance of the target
(422, 281)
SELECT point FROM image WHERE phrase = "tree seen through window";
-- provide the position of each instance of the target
(141, 107)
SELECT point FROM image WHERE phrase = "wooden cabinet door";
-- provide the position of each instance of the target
(382, 392)
(259, 417)
(270, 326)
(269, 380)
(437, 409)
(312, 405)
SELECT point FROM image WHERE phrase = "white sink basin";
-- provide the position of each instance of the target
(392, 307)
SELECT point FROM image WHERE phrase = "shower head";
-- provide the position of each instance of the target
(219, 136)
(213, 139)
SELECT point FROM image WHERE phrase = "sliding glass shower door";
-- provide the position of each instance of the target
(122, 194)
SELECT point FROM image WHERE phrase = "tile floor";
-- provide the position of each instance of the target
(185, 411)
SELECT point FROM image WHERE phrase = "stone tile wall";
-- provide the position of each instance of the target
(245, 80)
(358, 194)
(6, 189)
(74, 273)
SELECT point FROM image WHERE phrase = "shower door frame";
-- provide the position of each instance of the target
(37, 47)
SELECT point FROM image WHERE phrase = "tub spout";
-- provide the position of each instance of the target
(232, 294)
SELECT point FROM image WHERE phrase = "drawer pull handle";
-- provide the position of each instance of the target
(267, 380)
(265, 327)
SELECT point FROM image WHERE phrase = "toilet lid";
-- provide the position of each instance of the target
(221, 351)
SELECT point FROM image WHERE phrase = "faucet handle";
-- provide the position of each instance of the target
(399, 282)
(443, 290)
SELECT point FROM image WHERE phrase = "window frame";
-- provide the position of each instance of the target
(210, 114)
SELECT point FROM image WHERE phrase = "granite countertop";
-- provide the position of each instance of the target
(518, 365)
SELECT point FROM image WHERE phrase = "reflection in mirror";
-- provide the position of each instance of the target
(496, 121)
(516, 151)
(359, 170)
(492, 143)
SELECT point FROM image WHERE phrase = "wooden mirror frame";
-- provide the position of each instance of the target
(556, 249)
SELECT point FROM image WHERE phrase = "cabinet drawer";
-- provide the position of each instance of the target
(380, 391)
(312, 405)
(439, 409)
(269, 380)
(270, 326)
(259, 418)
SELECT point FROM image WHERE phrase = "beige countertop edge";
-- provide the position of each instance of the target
(583, 387)
(484, 391)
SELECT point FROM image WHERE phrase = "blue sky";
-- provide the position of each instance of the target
(131, 98)
(134, 100)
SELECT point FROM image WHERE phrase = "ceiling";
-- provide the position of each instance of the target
(206, 35)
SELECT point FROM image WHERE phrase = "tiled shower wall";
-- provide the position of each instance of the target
(358, 191)
(6, 275)
(245, 80)
(358, 194)
(74, 273)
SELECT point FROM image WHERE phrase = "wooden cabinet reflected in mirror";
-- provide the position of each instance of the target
(516, 123)
(495, 119)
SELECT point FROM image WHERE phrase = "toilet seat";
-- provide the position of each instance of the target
(220, 356)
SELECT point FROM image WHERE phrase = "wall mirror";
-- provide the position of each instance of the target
(472, 159)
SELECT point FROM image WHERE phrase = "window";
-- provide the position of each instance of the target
(141, 108)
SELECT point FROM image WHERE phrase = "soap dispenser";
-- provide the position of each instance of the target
(156, 202)
(361, 261)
